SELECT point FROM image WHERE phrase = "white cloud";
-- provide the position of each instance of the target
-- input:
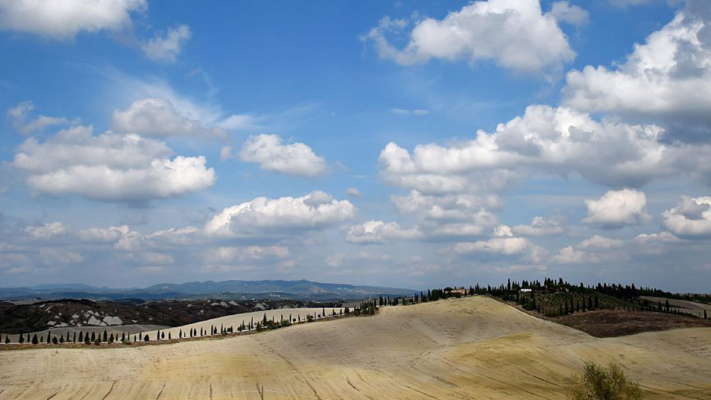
(600, 242)
(381, 232)
(110, 167)
(104, 235)
(568, 255)
(450, 214)
(617, 208)
(226, 255)
(295, 159)
(656, 238)
(503, 231)
(316, 210)
(572, 14)
(594, 250)
(404, 111)
(354, 192)
(541, 226)
(500, 245)
(504, 243)
(18, 116)
(158, 117)
(335, 260)
(167, 48)
(551, 140)
(51, 256)
(690, 218)
(64, 19)
(236, 122)
(515, 34)
(226, 153)
(668, 76)
(46, 231)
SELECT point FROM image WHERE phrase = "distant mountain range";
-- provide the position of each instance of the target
(232, 290)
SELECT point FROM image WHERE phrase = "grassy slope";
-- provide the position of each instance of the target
(460, 348)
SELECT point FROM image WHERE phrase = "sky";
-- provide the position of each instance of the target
(410, 144)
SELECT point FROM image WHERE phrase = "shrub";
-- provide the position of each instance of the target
(600, 383)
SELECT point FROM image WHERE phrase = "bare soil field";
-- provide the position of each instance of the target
(612, 323)
(473, 347)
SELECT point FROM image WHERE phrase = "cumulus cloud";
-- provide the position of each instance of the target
(600, 242)
(450, 214)
(497, 245)
(226, 255)
(226, 153)
(104, 235)
(381, 232)
(63, 20)
(690, 218)
(354, 192)
(546, 139)
(109, 167)
(668, 76)
(18, 117)
(654, 238)
(158, 117)
(562, 11)
(295, 159)
(514, 34)
(46, 231)
(617, 208)
(541, 226)
(166, 48)
(594, 250)
(316, 210)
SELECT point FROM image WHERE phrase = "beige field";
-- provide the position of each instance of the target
(456, 349)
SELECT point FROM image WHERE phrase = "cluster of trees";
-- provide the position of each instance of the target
(75, 337)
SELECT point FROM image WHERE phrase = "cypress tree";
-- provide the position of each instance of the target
(169, 338)
(93, 337)
(162, 335)
(705, 315)
(86, 339)
(81, 336)
(74, 340)
(22, 339)
(106, 338)
(111, 338)
(49, 334)
(123, 337)
(7, 339)
(54, 340)
(146, 339)
(61, 339)
(34, 339)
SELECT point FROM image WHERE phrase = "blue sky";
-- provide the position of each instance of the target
(411, 144)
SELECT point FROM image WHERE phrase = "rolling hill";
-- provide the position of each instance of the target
(473, 347)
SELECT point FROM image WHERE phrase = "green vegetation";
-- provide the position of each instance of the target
(600, 383)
